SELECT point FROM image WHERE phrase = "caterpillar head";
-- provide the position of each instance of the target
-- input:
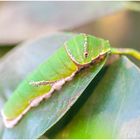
(84, 49)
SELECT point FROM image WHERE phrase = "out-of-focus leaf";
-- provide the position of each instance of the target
(112, 109)
(24, 59)
(22, 20)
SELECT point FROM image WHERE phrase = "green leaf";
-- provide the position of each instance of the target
(37, 121)
(112, 109)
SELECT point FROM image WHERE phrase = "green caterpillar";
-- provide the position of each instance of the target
(69, 59)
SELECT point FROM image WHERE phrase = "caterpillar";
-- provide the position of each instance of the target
(74, 55)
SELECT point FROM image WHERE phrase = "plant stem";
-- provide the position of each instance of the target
(126, 51)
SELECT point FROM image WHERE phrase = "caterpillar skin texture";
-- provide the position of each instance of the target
(74, 54)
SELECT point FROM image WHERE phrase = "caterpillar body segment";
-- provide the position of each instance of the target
(91, 46)
(28, 94)
(51, 75)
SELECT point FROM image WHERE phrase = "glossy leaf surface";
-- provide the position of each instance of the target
(112, 109)
(41, 118)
